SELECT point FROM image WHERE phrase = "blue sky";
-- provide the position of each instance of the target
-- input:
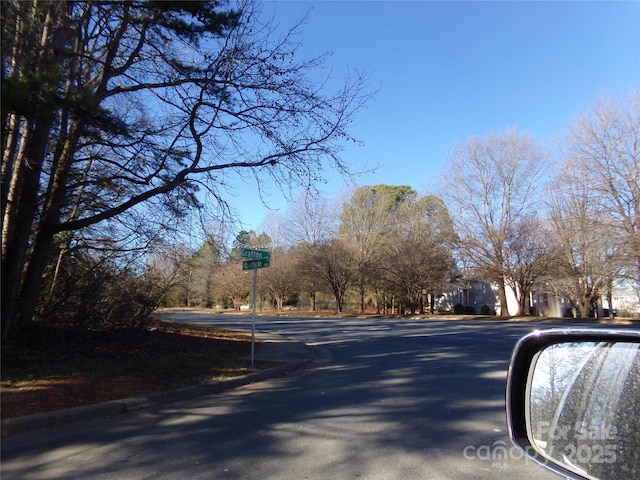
(450, 70)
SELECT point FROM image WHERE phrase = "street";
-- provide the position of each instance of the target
(383, 399)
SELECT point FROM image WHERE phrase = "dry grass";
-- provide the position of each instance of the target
(64, 368)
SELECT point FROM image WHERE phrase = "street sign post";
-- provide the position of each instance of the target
(257, 259)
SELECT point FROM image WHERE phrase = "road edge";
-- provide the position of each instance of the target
(41, 421)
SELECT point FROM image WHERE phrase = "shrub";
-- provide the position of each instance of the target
(90, 293)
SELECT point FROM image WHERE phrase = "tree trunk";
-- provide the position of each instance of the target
(22, 198)
(522, 302)
(18, 219)
(610, 299)
(237, 303)
(338, 302)
(50, 218)
(502, 296)
(582, 308)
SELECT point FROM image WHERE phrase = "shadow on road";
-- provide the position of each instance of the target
(397, 399)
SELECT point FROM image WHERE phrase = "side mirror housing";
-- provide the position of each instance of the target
(573, 401)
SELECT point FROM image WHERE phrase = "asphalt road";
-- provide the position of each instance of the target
(384, 399)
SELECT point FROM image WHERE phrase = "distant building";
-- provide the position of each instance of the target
(473, 295)
(626, 298)
(545, 304)
(480, 297)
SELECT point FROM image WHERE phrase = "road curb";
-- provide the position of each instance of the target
(41, 421)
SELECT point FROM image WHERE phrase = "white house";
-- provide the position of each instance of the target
(480, 297)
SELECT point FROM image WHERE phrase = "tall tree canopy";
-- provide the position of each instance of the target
(603, 145)
(419, 260)
(366, 221)
(594, 204)
(492, 184)
(115, 114)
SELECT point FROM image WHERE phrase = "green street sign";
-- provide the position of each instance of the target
(255, 254)
(252, 264)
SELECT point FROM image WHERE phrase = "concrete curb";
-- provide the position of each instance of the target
(41, 421)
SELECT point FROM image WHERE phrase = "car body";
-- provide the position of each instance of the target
(573, 401)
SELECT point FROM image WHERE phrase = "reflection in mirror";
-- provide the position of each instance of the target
(584, 408)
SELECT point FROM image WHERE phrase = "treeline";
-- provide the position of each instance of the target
(126, 123)
(120, 119)
(507, 211)
(504, 210)
(385, 242)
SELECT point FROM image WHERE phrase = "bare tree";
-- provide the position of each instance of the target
(491, 184)
(604, 145)
(281, 279)
(171, 265)
(332, 264)
(529, 258)
(310, 222)
(588, 258)
(275, 226)
(366, 221)
(311, 219)
(419, 259)
(115, 107)
(229, 280)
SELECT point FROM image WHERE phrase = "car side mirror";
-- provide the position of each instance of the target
(573, 401)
